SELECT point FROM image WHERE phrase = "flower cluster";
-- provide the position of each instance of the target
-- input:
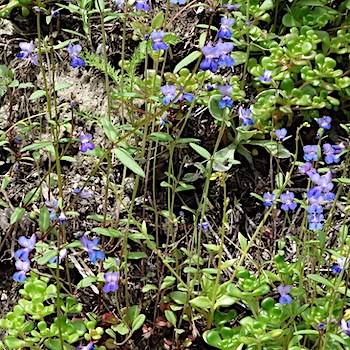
(170, 92)
(91, 247)
(217, 56)
(23, 257)
(27, 52)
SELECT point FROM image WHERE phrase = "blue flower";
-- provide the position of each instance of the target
(281, 134)
(90, 346)
(244, 115)
(27, 52)
(85, 142)
(225, 28)
(61, 255)
(269, 199)
(92, 248)
(288, 201)
(331, 154)
(180, 2)
(223, 49)
(226, 100)
(169, 92)
(266, 77)
(345, 326)
(310, 152)
(23, 267)
(163, 120)
(142, 5)
(112, 279)
(324, 182)
(315, 221)
(83, 194)
(232, 7)
(28, 245)
(320, 326)
(210, 58)
(73, 52)
(62, 217)
(285, 298)
(324, 122)
(55, 13)
(204, 226)
(158, 43)
(118, 3)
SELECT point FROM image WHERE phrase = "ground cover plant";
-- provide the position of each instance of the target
(174, 174)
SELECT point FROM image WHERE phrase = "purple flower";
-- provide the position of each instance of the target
(225, 28)
(62, 217)
(85, 142)
(23, 267)
(204, 226)
(158, 43)
(27, 52)
(232, 7)
(210, 58)
(169, 92)
(285, 298)
(269, 199)
(226, 100)
(92, 248)
(244, 115)
(281, 134)
(315, 221)
(331, 154)
(142, 5)
(288, 201)
(83, 194)
(345, 326)
(163, 120)
(324, 122)
(320, 326)
(223, 50)
(315, 209)
(73, 52)
(55, 13)
(266, 77)
(324, 182)
(306, 169)
(180, 2)
(187, 96)
(90, 346)
(310, 152)
(112, 279)
(118, 3)
(27, 49)
(57, 259)
(28, 245)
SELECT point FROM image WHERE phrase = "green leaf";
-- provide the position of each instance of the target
(171, 317)
(146, 288)
(201, 151)
(187, 60)
(17, 215)
(289, 21)
(122, 329)
(31, 196)
(267, 5)
(212, 338)
(214, 109)
(36, 145)
(87, 282)
(160, 137)
(225, 301)
(47, 256)
(343, 180)
(15, 343)
(138, 322)
(128, 161)
(167, 282)
(201, 302)
(321, 280)
(179, 297)
(37, 94)
(243, 243)
(109, 129)
(158, 20)
(239, 57)
(108, 232)
(211, 247)
(61, 86)
(136, 255)
(306, 332)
